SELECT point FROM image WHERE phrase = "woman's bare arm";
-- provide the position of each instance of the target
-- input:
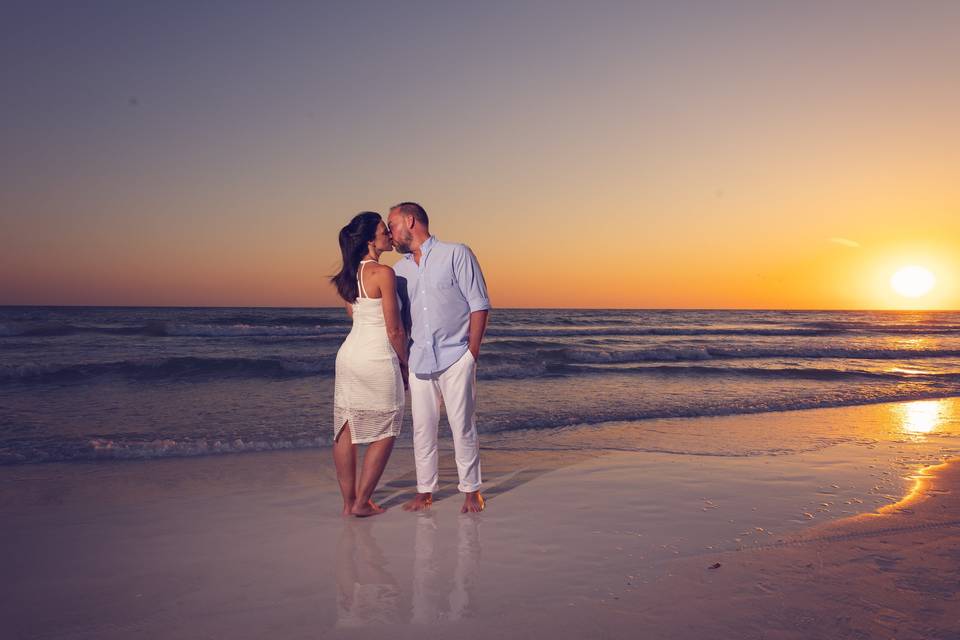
(391, 313)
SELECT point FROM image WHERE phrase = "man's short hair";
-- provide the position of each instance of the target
(413, 209)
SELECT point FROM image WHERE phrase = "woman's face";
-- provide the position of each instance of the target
(381, 241)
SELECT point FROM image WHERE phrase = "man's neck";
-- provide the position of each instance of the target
(417, 251)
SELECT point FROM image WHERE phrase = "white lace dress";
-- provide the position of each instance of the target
(368, 392)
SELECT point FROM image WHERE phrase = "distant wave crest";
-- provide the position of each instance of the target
(163, 329)
(544, 359)
(187, 367)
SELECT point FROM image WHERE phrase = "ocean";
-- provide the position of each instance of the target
(98, 383)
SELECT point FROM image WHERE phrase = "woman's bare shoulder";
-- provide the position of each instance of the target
(382, 271)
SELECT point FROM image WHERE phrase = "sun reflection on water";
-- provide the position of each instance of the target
(923, 417)
(912, 371)
(906, 342)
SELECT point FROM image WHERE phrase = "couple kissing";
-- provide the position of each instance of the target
(416, 326)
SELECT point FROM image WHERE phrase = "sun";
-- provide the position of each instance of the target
(913, 281)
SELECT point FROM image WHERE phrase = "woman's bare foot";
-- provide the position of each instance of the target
(347, 509)
(421, 502)
(366, 509)
(473, 503)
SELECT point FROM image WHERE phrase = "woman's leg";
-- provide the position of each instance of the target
(374, 462)
(345, 460)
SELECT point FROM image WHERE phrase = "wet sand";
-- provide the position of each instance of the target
(894, 573)
(847, 541)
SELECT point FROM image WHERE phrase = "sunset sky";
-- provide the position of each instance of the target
(671, 154)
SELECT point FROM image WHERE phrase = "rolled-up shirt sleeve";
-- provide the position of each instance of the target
(470, 279)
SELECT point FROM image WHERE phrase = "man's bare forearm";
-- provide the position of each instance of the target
(478, 326)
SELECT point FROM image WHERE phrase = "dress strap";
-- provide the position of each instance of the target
(363, 263)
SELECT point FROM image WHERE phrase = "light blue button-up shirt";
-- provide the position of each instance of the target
(442, 291)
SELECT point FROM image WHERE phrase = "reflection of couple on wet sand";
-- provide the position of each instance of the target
(445, 308)
(369, 594)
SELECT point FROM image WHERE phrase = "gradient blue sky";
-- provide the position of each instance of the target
(681, 154)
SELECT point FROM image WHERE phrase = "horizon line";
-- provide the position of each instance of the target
(794, 309)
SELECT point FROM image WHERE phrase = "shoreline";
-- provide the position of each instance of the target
(105, 450)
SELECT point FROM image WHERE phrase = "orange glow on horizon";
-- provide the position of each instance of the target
(826, 278)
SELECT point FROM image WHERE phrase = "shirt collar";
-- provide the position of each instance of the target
(426, 246)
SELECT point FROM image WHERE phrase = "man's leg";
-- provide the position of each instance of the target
(459, 387)
(425, 407)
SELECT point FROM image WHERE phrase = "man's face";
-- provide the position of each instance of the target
(400, 231)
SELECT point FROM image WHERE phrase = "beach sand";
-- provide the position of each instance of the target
(856, 539)
(894, 573)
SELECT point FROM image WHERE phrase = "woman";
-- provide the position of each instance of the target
(371, 363)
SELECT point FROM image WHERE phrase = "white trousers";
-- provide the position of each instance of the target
(456, 386)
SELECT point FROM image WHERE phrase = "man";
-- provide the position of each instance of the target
(448, 309)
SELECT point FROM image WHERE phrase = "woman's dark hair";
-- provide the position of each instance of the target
(353, 245)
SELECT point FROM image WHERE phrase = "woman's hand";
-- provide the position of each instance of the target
(405, 374)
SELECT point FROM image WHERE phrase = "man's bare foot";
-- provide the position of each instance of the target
(366, 509)
(472, 503)
(421, 502)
